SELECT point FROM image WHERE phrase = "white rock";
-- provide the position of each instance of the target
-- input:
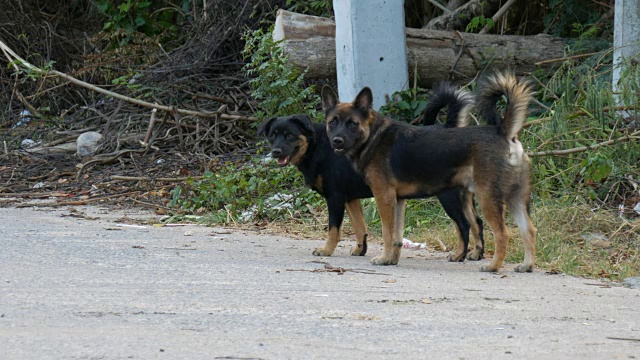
(87, 143)
(28, 143)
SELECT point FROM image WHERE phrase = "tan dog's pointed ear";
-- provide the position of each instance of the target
(364, 100)
(329, 98)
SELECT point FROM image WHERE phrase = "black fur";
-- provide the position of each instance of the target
(340, 183)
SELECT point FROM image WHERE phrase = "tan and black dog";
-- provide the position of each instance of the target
(298, 141)
(400, 161)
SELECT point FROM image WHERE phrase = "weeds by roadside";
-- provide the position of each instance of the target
(583, 201)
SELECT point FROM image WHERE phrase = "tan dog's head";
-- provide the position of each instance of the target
(348, 124)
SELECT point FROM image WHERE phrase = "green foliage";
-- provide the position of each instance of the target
(478, 23)
(25, 74)
(322, 8)
(126, 17)
(245, 192)
(405, 105)
(278, 86)
(578, 93)
(567, 16)
(596, 167)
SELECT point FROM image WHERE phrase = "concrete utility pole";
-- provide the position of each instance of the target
(626, 36)
(370, 48)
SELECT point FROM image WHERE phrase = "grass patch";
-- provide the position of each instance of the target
(574, 239)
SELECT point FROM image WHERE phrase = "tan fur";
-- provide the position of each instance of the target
(330, 244)
(354, 210)
(303, 144)
(495, 168)
(471, 213)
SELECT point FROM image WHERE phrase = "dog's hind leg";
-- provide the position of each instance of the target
(470, 213)
(401, 206)
(519, 208)
(354, 209)
(452, 203)
(493, 211)
(336, 215)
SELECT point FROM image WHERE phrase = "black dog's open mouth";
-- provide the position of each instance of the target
(338, 151)
(282, 161)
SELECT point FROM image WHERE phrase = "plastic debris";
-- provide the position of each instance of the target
(408, 244)
(39, 185)
(28, 143)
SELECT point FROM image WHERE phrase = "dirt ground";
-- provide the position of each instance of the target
(99, 284)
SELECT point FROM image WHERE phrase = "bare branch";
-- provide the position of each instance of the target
(633, 136)
(498, 15)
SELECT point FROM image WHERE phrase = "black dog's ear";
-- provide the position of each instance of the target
(364, 100)
(304, 122)
(263, 129)
(329, 98)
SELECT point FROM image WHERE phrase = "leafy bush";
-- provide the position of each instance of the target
(126, 17)
(580, 93)
(278, 86)
(249, 191)
(405, 105)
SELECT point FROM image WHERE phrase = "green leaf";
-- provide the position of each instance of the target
(140, 21)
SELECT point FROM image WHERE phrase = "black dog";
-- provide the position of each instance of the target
(298, 141)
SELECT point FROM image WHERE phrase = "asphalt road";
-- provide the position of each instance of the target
(72, 288)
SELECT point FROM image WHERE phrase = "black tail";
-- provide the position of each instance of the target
(518, 94)
(459, 103)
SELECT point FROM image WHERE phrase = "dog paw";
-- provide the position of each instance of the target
(455, 257)
(524, 268)
(358, 251)
(475, 255)
(384, 260)
(321, 252)
(488, 268)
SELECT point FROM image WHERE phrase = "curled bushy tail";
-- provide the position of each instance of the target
(459, 103)
(518, 94)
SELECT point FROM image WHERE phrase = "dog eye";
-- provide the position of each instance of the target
(333, 122)
(272, 136)
(350, 123)
(290, 137)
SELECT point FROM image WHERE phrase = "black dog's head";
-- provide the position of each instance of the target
(289, 137)
(348, 124)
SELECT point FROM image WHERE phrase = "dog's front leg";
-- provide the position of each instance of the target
(336, 215)
(388, 208)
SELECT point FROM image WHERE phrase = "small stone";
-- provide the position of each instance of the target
(87, 143)
(633, 282)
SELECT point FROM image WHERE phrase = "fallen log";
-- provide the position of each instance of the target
(309, 41)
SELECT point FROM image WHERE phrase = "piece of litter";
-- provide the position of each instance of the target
(321, 295)
(408, 244)
(28, 143)
(188, 233)
(637, 208)
(389, 281)
(131, 226)
(500, 328)
(39, 185)
(426, 301)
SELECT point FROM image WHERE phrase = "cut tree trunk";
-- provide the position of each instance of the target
(309, 41)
